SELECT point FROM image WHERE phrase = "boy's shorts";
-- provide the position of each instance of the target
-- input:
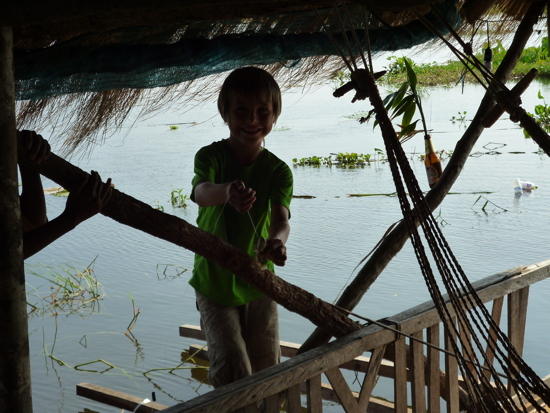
(241, 340)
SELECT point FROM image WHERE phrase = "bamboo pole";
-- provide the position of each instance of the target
(393, 243)
(129, 211)
(15, 373)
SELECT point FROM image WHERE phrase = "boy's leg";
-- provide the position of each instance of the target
(226, 347)
(260, 329)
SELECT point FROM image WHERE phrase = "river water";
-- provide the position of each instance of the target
(330, 235)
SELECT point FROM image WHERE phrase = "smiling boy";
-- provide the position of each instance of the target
(240, 323)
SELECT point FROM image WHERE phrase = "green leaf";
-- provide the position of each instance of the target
(408, 129)
(403, 106)
(408, 115)
(411, 75)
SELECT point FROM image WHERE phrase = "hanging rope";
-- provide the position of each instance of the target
(471, 319)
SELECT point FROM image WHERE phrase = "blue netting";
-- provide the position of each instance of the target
(70, 67)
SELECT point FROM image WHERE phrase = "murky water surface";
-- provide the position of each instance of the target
(330, 235)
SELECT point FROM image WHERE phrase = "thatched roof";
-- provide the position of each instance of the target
(101, 58)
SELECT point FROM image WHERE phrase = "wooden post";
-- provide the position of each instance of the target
(15, 373)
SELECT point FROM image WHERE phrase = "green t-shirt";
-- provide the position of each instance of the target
(271, 178)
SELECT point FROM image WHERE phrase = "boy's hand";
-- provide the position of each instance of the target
(38, 147)
(240, 197)
(87, 200)
(275, 251)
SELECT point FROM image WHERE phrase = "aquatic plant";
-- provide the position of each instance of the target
(68, 289)
(177, 198)
(495, 208)
(541, 115)
(157, 205)
(460, 118)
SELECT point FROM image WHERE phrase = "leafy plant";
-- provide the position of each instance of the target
(403, 103)
(177, 198)
(460, 118)
(541, 115)
(70, 289)
(158, 206)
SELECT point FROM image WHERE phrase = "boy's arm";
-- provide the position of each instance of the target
(83, 203)
(239, 197)
(279, 230)
(32, 202)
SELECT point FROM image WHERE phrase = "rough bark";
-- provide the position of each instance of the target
(129, 211)
(15, 372)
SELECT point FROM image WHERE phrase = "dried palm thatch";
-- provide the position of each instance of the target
(81, 70)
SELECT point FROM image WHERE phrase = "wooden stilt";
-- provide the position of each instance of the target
(15, 375)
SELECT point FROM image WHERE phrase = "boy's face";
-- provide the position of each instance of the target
(250, 119)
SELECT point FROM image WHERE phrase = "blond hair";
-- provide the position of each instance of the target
(246, 82)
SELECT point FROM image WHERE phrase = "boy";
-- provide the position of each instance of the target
(240, 323)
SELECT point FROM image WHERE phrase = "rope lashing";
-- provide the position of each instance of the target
(471, 321)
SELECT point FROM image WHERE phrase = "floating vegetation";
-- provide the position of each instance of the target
(281, 129)
(461, 117)
(341, 160)
(157, 205)
(170, 271)
(173, 127)
(358, 115)
(488, 204)
(361, 195)
(56, 191)
(69, 290)
(440, 220)
(304, 196)
(178, 199)
(134, 318)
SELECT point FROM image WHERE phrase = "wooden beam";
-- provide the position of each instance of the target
(116, 399)
(15, 374)
(136, 214)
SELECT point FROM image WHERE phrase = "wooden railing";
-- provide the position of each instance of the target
(431, 389)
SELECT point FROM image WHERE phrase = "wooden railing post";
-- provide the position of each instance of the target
(517, 317)
(451, 368)
(433, 372)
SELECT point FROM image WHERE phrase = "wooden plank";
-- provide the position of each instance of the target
(418, 384)
(400, 382)
(293, 402)
(370, 378)
(527, 404)
(517, 318)
(451, 370)
(342, 390)
(313, 393)
(496, 314)
(191, 331)
(251, 408)
(116, 399)
(273, 403)
(433, 370)
(488, 289)
(358, 364)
